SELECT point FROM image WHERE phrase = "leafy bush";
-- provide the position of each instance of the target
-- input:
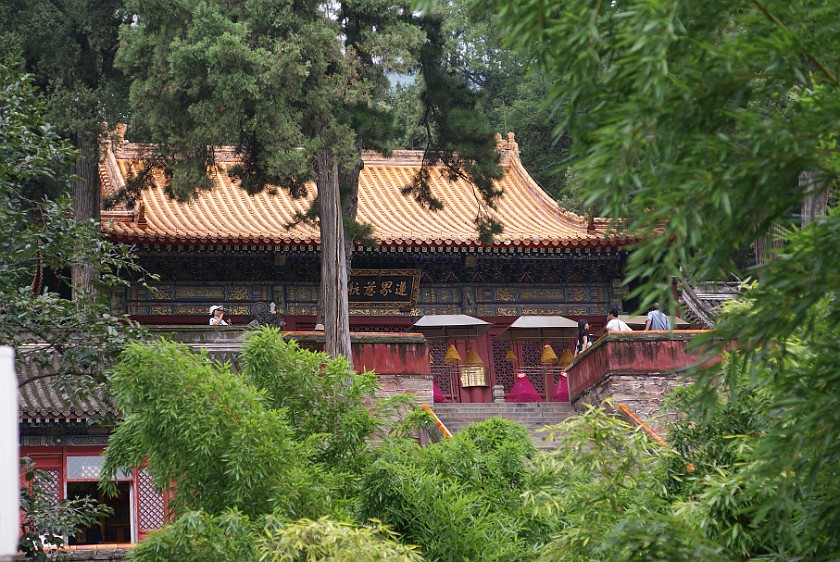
(199, 537)
(232, 536)
(457, 499)
(602, 472)
(325, 400)
(204, 430)
(325, 540)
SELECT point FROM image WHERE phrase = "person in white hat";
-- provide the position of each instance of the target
(217, 313)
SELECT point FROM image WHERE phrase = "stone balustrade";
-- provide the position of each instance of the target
(633, 368)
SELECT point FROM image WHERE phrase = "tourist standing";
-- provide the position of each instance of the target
(583, 341)
(656, 320)
(217, 315)
(614, 324)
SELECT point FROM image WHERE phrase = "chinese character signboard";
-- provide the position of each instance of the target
(387, 288)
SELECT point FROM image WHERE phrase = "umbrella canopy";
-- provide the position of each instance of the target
(638, 322)
(539, 328)
(453, 326)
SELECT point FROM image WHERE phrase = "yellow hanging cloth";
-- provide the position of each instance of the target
(510, 355)
(452, 357)
(548, 356)
(473, 359)
(566, 359)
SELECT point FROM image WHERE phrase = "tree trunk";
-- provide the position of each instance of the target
(333, 263)
(350, 202)
(349, 187)
(86, 205)
(815, 203)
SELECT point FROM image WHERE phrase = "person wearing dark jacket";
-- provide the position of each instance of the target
(584, 339)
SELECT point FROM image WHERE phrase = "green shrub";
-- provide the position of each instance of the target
(458, 499)
(204, 430)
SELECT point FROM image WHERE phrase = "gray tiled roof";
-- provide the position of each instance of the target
(38, 399)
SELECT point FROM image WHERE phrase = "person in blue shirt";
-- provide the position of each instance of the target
(656, 320)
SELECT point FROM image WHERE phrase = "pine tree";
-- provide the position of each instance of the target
(69, 48)
(296, 88)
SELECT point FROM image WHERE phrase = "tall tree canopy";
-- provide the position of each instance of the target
(67, 341)
(297, 89)
(697, 123)
(693, 120)
(512, 93)
(69, 48)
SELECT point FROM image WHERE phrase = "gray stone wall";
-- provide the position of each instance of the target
(419, 386)
(644, 394)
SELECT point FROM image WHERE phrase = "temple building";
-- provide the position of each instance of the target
(228, 247)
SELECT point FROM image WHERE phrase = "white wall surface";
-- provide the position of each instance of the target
(9, 461)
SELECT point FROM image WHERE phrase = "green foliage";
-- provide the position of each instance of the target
(212, 436)
(326, 540)
(68, 341)
(69, 49)
(407, 110)
(199, 537)
(657, 538)
(45, 521)
(687, 119)
(235, 75)
(282, 82)
(513, 96)
(325, 401)
(457, 499)
(715, 442)
(695, 123)
(602, 474)
(246, 454)
(458, 135)
(501, 92)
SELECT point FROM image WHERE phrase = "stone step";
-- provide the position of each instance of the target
(532, 415)
(524, 407)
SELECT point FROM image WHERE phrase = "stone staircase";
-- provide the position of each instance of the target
(532, 415)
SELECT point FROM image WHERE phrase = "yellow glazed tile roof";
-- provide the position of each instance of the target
(226, 214)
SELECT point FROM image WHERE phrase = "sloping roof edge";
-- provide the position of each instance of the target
(227, 216)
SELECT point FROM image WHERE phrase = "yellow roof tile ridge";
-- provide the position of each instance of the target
(110, 175)
(216, 215)
(534, 220)
(363, 215)
(414, 228)
(398, 158)
(161, 211)
(282, 208)
(461, 204)
(226, 213)
(134, 151)
(234, 197)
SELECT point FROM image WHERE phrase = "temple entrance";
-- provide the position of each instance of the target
(115, 528)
